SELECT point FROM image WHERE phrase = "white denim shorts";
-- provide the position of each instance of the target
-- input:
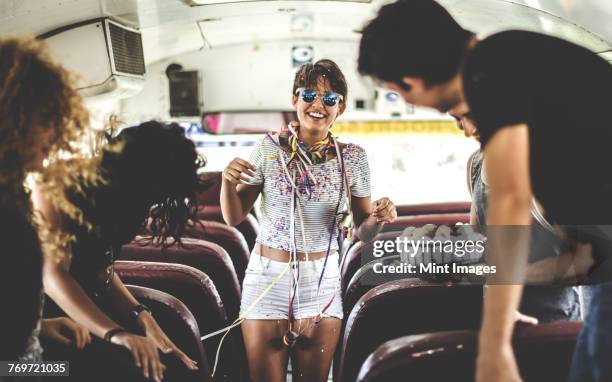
(274, 305)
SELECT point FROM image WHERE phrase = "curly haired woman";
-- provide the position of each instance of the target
(40, 114)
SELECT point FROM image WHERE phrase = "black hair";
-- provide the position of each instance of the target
(416, 38)
(151, 181)
(308, 75)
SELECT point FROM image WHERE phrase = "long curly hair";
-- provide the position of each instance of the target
(40, 111)
(151, 181)
(42, 117)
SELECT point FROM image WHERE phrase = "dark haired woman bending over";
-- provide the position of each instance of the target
(149, 171)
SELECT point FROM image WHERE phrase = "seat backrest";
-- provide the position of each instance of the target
(211, 196)
(177, 322)
(249, 227)
(197, 291)
(420, 220)
(227, 237)
(205, 256)
(543, 353)
(433, 208)
(190, 285)
(367, 278)
(404, 307)
(361, 253)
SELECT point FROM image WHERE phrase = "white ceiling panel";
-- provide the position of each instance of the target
(170, 27)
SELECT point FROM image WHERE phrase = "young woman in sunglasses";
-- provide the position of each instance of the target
(309, 183)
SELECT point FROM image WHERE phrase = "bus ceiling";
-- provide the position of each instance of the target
(172, 27)
(211, 39)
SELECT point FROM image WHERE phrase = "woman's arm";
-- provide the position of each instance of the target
(59, 284)
(238, 198)
(68, 294)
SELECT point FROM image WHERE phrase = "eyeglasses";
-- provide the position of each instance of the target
(330, 99)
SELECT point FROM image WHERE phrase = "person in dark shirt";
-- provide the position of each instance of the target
(542, 108)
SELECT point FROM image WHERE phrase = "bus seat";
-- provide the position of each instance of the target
(433, 208)
(249, 227)
(191, 286)
(211, 196)
(404, 307)
(420, 220)
(543, 353)
(347, 244)
(177, 322)
(365, 279)
(355, 289)
(227, 237)
(197, 291)
(361, 253)
(199, 254)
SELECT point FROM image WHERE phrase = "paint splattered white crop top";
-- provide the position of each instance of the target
(317, 210)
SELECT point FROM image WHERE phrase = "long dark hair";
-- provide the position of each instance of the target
(151, 181)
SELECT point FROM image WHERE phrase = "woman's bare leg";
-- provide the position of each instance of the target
(314, 349)
(266, 353)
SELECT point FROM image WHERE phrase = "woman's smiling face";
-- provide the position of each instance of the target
(316, 116)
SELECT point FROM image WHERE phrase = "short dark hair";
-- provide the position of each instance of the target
(308, 75)
(416, 38)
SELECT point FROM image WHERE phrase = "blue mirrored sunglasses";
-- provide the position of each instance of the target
(309, 96)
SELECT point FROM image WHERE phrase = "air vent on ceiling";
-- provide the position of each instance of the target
(106, 56)
(126, 49)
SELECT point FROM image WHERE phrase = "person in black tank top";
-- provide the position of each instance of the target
(545, 303)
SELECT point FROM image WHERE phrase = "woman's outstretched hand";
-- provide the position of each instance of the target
(161, 340)
(145, 354)
(383, 210)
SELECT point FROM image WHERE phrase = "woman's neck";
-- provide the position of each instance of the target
(312, 137)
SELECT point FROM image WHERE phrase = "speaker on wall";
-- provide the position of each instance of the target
(184, 91)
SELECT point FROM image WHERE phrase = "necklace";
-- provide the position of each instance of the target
(296, 148)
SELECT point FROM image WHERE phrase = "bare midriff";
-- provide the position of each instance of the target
(282, 255)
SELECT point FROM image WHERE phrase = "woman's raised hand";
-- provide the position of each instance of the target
(383, 210)
(239, 171)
